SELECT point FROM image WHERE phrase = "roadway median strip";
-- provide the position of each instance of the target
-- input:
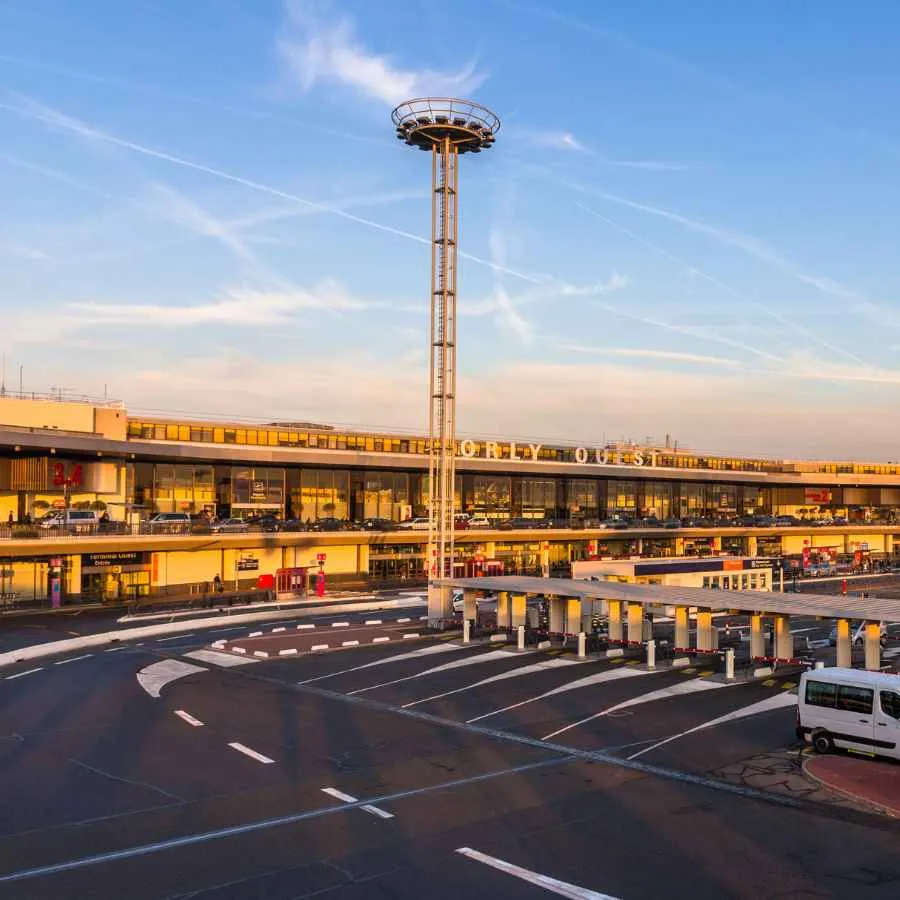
(247, 751)
(349, 798)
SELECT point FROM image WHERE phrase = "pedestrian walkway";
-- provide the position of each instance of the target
(874, 782)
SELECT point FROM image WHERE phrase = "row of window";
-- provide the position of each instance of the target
(332, 440)
(853, 699)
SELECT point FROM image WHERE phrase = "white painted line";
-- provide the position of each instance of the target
(156, 676)
(422, 651)
(692, 686)
(377, 811)
(174, 637)
(242, 748)
(255, 634)
(219, 644)
(775, 701)
(225, 660)
(340, 795)
(381, 640)
(262, 654)
(289, 652)
(340, 624)
(490, 656)
(350, 643)
(587, 681)
(188, 718)
(372, 622)
(319, 647)
(62, 662)
(301, 627)
(554, 885)
(23, 674)
(238, 649)
(402, 621)
(413, 635)
(544, 666)
(113, 649)
(276, 630)
(423, 618)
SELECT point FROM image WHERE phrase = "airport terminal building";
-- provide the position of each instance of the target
(94, 455)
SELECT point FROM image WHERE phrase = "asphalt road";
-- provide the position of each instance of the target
(217, 788)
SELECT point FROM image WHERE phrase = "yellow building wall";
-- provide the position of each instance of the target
(47, 414)
(875, 541)
(9, 503)
(793, 543)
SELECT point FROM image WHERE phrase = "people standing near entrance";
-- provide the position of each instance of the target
(11, 519)
(217, 585)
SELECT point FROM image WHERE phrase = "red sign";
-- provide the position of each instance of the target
(320, 557)
(817, 495)
(63, 479)
(59, 504)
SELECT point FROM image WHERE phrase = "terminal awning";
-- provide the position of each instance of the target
(828, 606)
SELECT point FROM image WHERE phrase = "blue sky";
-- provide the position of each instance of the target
(687, 226)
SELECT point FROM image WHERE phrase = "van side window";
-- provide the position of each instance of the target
(820, 693)
(890, 704)
(855, 699)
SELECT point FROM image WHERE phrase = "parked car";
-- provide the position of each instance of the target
(517, 523)
(479, 522)
(420, 523)
(229, 526)
(376, 524)
(745, 521)
(461, 522)
(329, 523)
(82, 521)
(648, 522)
(765, 521)
(268, 522)
(786, 521)
(170, 523)
(671, 522)
(614, 524)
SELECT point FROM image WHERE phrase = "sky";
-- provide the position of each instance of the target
(687, 225)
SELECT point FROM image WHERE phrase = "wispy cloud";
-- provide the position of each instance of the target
(648, 353)
(320, 48)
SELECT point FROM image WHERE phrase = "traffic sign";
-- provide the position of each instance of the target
(320, 557)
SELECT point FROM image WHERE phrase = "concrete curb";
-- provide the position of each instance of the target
(54, 648)
(856, 798)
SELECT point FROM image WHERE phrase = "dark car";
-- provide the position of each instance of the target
(671, 522)
(648, 522)
(786, 521)
(329, 523)
(376, 524)
(517, 523)
(745, 521)
(268, 523)
(765, 521)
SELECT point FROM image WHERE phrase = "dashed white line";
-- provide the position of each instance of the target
(188, 718)
(276, 630)
(301, 627)
(175, 637)
(402, 621)
(113, 649)
(380, 640)
(23, 674)
(349, 798)
(262, 654)
(377, 811)
(319, 647)
(561, 888)
(255, 634)
(372, 622)
(350, 644)
(340, 624)
(247, 751)
(62, 662)
(289, 652)
(412, 635)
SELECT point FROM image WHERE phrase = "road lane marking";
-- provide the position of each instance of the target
(587, 681)
(302, 627)
(380, 640)
(175, 637)
(773, 701)
(238, 650)
(276, 630)
(422, 651)
(350, 643)
(411, 635)
(247, 751)
(255, 634)
(675, 690)
(544, 666)
(372, 622)
(403, 621)
(188, 718)
(289, 652)
(113, 649)
(490, 656)
(554, 885)
(262, 654)
(319, 647)
(340, 624)
(62, 662)
(23, 674)
(155, 677)
(349, 798)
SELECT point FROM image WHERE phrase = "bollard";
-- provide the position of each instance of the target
(466, 626)
(651, 654)
(581, 644)
(520, 637)
(729, 664)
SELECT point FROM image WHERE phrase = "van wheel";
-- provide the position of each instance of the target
(822, 742)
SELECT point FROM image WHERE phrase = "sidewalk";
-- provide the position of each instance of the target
(873, 782)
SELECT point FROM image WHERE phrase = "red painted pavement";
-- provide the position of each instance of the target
(872, 781)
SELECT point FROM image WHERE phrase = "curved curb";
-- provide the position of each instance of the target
(849, 795)
(157, 675)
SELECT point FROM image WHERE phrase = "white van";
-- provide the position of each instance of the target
(71, 520)
(850, 708)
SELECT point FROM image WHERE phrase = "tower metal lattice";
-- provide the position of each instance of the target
(447, 127)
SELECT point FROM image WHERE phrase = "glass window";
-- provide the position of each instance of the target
(855, 699)
(890, 703)
(219, 435)
(171, 432)
(184, 432)
(821, 693)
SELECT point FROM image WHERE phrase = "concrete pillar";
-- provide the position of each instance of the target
(470, 608)
(682, 632)
(704, 630)
(466, 631)
(635, 622)
(582, 644)
(545, 560)
(679, 546)
(517, 608)
(615, 620)
(440, 602)
(729, 664)
(557, 615)
(717, 544)
(573, 616)
(651, 654)
(784, 640)
(757, 636)
(751, 545)
(843, 648)
(873, 646)
(520, 637)
(490, 550)
(587, 615)
(503, 619)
